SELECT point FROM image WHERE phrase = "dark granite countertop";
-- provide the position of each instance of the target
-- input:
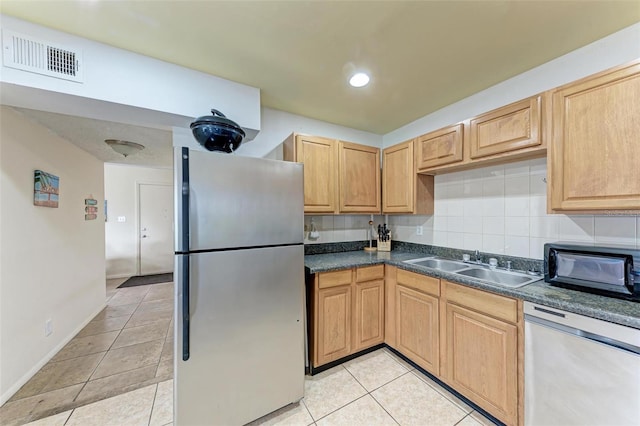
(605, 308)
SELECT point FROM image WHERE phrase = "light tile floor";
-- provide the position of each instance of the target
(375, 389)
(126, 347)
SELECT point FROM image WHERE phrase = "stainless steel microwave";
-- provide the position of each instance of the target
(611, 271)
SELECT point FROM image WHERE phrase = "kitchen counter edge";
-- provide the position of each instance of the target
(617, 311)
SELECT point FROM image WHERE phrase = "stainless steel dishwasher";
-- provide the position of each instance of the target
(579, 370)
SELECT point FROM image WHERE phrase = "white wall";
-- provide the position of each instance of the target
(126, 87)
(121, 238)
(502, 209)
(278, 125)
(616, 49)
(52, 259)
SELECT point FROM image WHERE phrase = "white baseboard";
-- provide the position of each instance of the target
(25, 378)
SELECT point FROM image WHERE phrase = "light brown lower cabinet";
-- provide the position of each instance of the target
(470, 339)
(333, 322)
(416, 310)
(369, 314)
(348, 312)
(480, 339)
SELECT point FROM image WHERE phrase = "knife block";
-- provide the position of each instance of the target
(384, 245)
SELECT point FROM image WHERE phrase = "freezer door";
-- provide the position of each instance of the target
(240, 201)
(246, 336)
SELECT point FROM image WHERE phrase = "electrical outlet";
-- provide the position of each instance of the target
(122, 218)
(48, 327)
(419, 230)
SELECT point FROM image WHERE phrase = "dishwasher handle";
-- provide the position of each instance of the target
(549, 311)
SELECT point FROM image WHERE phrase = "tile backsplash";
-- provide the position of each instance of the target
(500, 209)
(339, 228)
(503, 210)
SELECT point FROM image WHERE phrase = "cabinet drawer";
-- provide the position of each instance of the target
(333, 279)
(419, 282)
(491, 304)
(368, 273)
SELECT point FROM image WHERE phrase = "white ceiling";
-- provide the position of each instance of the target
(89, 134)
(422, 55)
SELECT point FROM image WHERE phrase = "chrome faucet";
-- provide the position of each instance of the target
(508, 268)
(478, 260)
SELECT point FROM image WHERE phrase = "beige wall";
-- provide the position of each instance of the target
(121, 238)
(52, 259)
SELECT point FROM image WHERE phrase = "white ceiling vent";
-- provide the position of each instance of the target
(28, 54)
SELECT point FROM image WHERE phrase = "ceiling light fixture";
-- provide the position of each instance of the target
(124, 148)
(359, 79)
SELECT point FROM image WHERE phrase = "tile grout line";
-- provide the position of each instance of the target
(307, 408)
(380, 404)
(448, 398)
(460, 421)
(342, 406)
(69, 417)
(339, 408)
(155, 395)
(370, 392)
(89, 378)
(110, 346)
(385, 410)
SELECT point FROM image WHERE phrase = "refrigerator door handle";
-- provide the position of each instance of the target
(185, 308)
(184, 247)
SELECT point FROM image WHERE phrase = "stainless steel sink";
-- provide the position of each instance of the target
(505, 278)
(480, 272)
(441, 264)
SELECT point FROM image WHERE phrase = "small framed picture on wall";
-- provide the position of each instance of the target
(46, 189)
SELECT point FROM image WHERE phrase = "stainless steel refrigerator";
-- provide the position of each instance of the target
(239, 328)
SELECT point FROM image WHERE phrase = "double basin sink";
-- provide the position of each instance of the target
(478, 271)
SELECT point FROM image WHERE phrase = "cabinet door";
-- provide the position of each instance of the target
(398, 178)
(333, 324)
(441, 147)
(593, 161)
(417, 327)
(369, 314)
(513, 127)
(482, 361)
(319, 156)
(359, 178)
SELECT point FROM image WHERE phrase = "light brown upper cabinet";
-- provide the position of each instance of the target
(359, 178)
(339, 177)
(441, 147)
(593, 160)
(514, 132)
(320, 158)
(512, 127)
(403, 190)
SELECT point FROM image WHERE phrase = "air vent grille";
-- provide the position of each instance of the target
(28, 54)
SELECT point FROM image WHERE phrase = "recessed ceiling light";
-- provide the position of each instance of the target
(359, 79)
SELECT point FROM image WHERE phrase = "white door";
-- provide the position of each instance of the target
(155, 228)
